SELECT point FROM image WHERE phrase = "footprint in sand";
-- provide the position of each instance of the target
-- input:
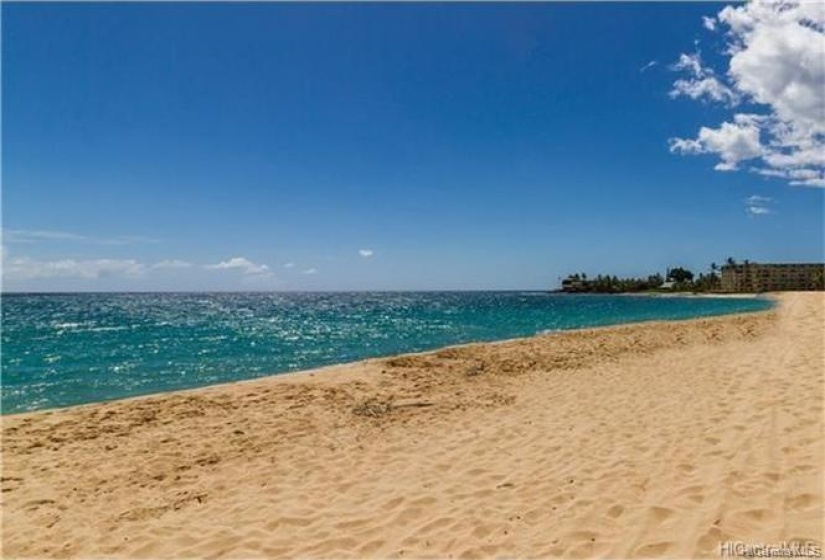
(801, 502)
(709, 541)
(615, 511)
(758, 515)
(660, 514)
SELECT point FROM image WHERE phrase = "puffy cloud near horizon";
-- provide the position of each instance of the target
(20, 271)
(240, 263)
(310, 271)
(289, 265)
(366, 253)
(776, 70)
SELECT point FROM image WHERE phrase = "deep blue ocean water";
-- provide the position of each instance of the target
(60, 350)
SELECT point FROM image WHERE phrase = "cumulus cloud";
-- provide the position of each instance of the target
(701, 82)
(732, 142)
(776, 75)
(366, 253)
(25, 268)
(758, 205)
(170, 264)
(310, 271)
(240, 263)
(289, 265)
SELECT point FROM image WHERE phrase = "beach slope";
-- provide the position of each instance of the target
(655, 439)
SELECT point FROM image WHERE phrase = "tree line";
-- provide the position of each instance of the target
(675, 279)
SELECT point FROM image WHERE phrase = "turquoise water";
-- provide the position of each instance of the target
(60, 350)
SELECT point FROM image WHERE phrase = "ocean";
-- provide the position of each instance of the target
(68, 349)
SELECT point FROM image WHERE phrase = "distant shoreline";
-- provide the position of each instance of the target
(767, 295)
(664, 293)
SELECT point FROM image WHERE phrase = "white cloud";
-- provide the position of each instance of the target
(25, 268)
(289, 265)
(30, 236)
(775, 67)
(692, 63)
(708, 88)
(17, 269)
(709, 23)
(171, 264)
(310, 271)
(702, 82)
(757, 205)
(34, 236)
(732, 142)
(242, 264)
(648, 66)
(366, 253)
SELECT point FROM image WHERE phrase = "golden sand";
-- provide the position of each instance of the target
(657, 439)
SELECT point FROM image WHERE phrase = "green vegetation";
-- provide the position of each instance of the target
(677, 279)
(819, 281)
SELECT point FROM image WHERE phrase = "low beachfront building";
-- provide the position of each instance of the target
(759, 277)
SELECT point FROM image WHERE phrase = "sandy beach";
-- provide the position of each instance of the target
(650, 440)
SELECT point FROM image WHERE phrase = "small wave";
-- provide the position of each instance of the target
(87, 327)
(68, 325)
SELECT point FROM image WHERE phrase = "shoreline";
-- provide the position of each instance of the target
(737, 295)
(661, 438)
(721, 295)
(325, 370)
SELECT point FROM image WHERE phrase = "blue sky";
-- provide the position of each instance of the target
(370, 146)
